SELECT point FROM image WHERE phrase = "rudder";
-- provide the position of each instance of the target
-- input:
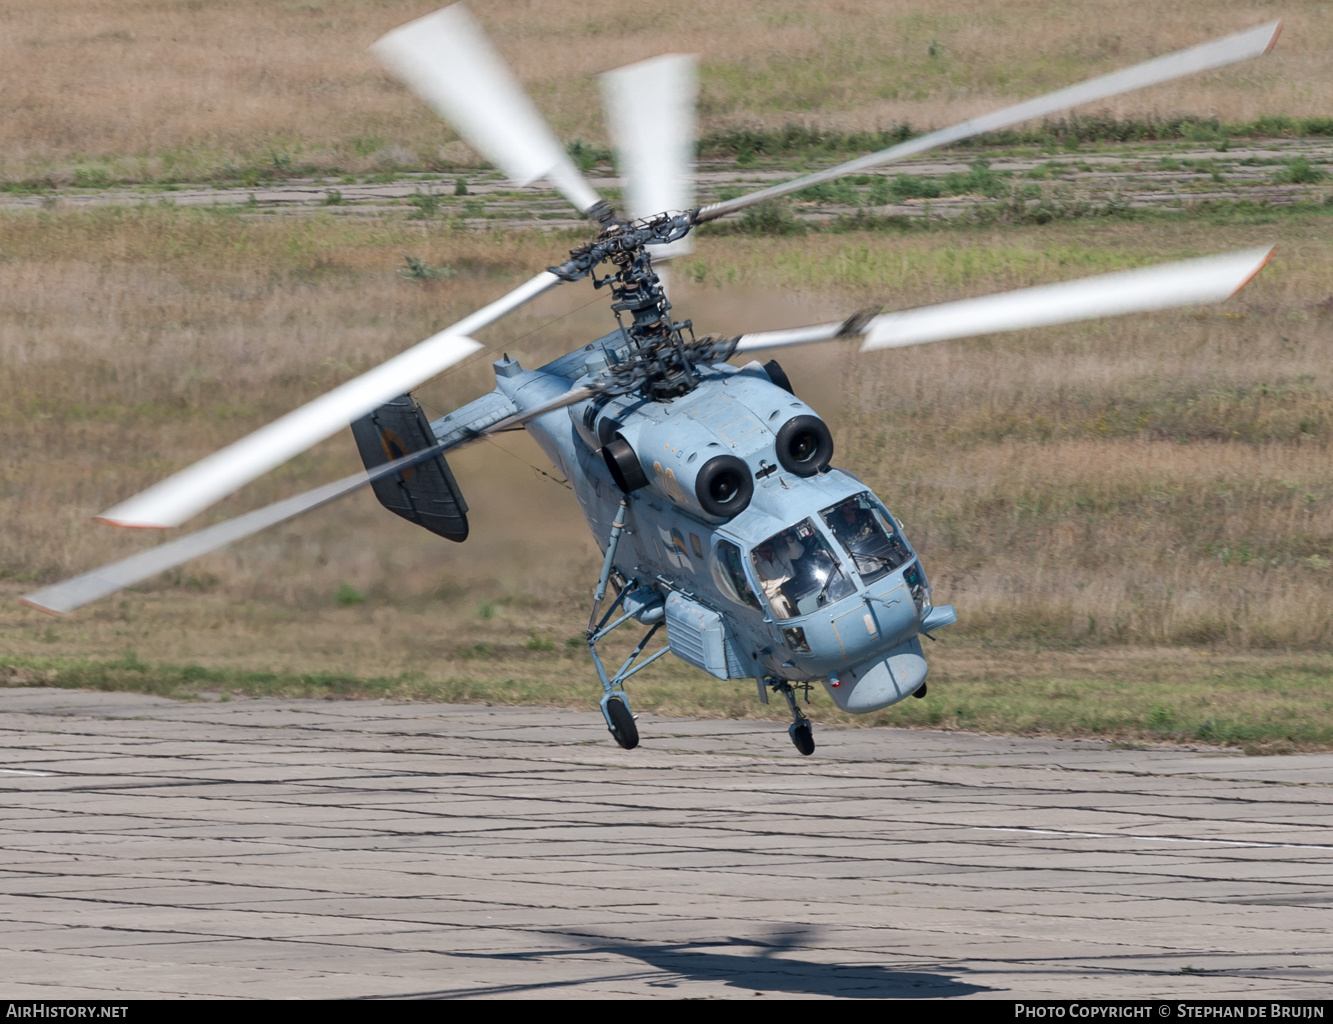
(425, 494)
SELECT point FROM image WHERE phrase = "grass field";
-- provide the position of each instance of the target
(144, 90)
(1134, 518)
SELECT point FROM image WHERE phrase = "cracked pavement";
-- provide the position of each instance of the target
(301, 848)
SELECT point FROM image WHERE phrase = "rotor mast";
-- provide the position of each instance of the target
(662, 351)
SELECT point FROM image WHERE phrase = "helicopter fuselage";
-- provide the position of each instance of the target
(844, 600)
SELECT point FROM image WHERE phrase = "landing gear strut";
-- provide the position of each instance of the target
(801, 731)
(615, 702)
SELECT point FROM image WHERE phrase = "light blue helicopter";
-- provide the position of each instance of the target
(708, 486)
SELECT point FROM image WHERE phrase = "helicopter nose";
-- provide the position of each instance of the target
(893, 676)
(863, 627)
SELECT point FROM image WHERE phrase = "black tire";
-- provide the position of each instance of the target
(623, 729)
(919, 692)
(803, 735)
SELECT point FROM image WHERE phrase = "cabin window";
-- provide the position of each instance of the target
(729, 574)
(876, 546)
(698, 548)
(798, 572)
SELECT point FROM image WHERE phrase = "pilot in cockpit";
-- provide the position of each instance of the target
(775, 559)
(853, 524)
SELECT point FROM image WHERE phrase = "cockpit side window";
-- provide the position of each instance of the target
(876, 546)
(798, 572)
(729, 574)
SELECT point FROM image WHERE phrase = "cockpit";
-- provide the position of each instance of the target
(799, 572)
(817, 561)
(866, 533)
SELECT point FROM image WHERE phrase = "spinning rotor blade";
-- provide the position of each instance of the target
(520, 418)
(1220, 52)
(192, 490)
(1167, 286)
(446, 59)
(71, 594)
(64, 597)
(650, 111)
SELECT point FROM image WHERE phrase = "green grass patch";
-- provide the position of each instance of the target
(1260, 709)
(131, 674)
(1279, 706)
(811, 140)
(795, 141)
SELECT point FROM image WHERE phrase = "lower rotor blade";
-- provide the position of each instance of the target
(1167, 286)
(789, 337)
(1215, 54)
(194, 489)
(72, 594)
(65, 597)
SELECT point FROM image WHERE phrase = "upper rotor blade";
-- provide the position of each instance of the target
(192, 490)
(650, 109)
(446, 59)
(1167, 286)
(1218, 53)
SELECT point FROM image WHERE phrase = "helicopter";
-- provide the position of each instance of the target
(709, 487)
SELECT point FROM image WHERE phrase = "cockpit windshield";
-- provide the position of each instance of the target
(870, 538)
(798, 572)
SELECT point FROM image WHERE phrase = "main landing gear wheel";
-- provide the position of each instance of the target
(623, 729)
(803, 735)
(920, 691)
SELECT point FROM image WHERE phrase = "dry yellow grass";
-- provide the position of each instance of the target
(146, 89)
(1154, 480)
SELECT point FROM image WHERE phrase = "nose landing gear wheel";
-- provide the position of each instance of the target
(801, 731)
(623, 729)
(803, 735)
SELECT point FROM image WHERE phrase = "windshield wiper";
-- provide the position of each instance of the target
(881, 559)
(819, 598)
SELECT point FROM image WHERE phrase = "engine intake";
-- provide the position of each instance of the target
(624, 465)
(724, 486)
(804, 445)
